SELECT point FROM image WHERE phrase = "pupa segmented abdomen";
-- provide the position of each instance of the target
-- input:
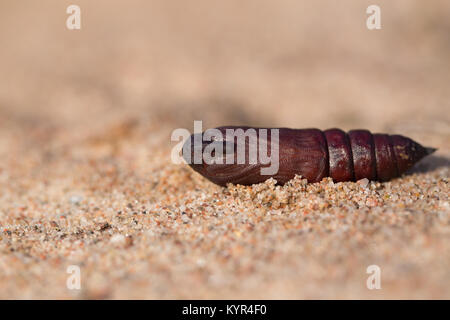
(315, 154)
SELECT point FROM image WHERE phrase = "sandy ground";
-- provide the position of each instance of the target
(85, 171)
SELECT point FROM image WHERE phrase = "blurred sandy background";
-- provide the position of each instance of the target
(85, 124)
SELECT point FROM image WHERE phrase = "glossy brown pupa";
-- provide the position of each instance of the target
(315, 154)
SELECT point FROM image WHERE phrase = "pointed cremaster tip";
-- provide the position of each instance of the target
(408, 152)
(430, 150)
